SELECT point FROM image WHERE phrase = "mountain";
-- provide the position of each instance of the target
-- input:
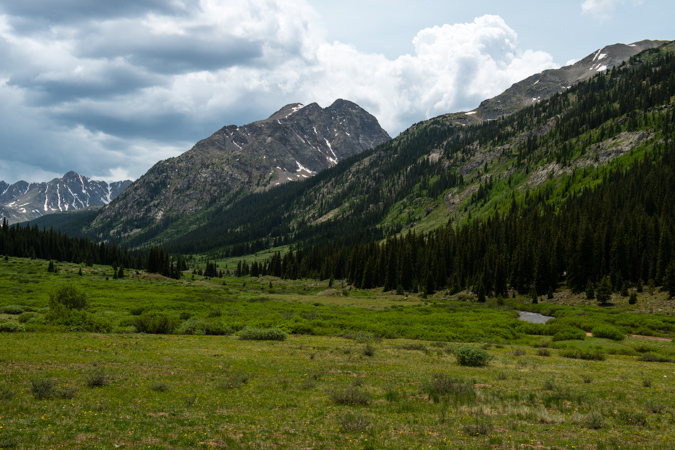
(450, 169)
(24, 201)
(549, 82)
(441, 171)
(294, 143)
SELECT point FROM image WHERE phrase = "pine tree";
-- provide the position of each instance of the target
(632, 299)
(603, 292)
(669, 280)
(590, 292)
(430, 288)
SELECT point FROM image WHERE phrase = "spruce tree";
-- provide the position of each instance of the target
(590, 292)
(603, 292)
(669, 280)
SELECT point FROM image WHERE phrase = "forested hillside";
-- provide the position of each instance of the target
(440, 171)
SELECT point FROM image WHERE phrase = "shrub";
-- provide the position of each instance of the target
(369, 350)
(43, 388)
(13, 309)
(593, 420)
(9, 326)
(444, 387)
(79, 320)
(234, 381)
(578, 353)
(472, 356)
(262, 334)
(68, 297)
(360, 336)
(481, 427)
(6, 393)
(392, 395)
(97, 378)
(66, 392)
(350, 396)
(27, 316)
(138, 310)
(653, 357)
(569, 334)
(632, 418)
(543, 352)
(155, 323)
(202, 326)
(215, 313)
(608, 332)
(352, 423)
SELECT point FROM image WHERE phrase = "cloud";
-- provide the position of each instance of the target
(603, 9)
(107, 91)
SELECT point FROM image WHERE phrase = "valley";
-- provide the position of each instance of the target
(371, 299)
(340, 379)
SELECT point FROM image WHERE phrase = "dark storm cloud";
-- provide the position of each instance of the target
(160, 126)
(171, 54)
(101, 84)
(40, 12)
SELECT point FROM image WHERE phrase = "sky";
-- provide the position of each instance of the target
(108, 89)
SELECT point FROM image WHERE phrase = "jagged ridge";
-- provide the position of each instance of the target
(294, 143)
(24, 201)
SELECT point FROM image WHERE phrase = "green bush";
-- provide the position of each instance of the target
(68, 297)
(78, 320)
(154, 322)
(608, 332)
(569, 334)
(350, 396)
(10, 326)
(97, 378)
(262, 334)
(200, 326)
(442, 386)
(578, 353)
(353, 423)
(653, 357)
(27, 316)
(482, 426)
(593, 420)
(628, 417)
(13, 309)
(472, 356)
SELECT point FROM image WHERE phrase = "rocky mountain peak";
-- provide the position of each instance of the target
(549, 82)
(24, 201)
(296, 142)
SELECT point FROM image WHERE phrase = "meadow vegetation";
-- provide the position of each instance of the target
(152, 362)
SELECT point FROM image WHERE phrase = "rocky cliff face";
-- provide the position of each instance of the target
(549, 82)
(294, 143)
(24, 201)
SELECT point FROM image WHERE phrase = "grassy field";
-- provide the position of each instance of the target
(338, 384)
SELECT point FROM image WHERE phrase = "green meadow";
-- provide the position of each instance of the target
(357, 369)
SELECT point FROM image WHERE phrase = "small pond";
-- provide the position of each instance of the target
(534, 317)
